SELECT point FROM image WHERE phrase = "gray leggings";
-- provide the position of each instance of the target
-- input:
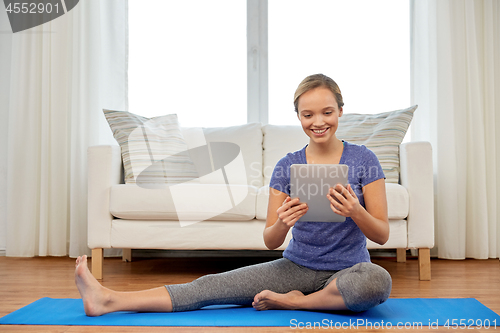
(362, 286)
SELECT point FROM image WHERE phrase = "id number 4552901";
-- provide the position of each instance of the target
(470, 324)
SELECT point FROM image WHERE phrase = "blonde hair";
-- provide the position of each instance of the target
(315, 81)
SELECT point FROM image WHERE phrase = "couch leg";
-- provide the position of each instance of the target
(424, 264)
(127, 255)
(401, 255)
(97, 261)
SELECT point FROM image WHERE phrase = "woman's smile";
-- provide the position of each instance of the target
(320, 132)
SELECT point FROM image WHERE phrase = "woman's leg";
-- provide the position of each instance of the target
(357, 288)
(98, 300)
(240, 286)
(234, 287)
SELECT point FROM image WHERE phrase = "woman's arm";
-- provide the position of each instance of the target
(282, 213)
(373, 220)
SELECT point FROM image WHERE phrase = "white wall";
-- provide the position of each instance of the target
(5, 52)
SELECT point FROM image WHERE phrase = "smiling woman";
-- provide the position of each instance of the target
(326, 266)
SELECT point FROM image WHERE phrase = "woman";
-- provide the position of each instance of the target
(326, 266)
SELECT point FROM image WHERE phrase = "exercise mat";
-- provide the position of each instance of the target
(393, 314)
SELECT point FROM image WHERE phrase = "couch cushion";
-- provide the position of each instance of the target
(277, 142)
(153, 149)
(398, 236)
(246, 169)
(262, 202)
(397, 202)
(184, 202)
(206, 235)
(382, 133)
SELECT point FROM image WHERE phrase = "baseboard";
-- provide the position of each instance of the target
(382, 253)
(144, 253)
(141, 253)
(2, 252)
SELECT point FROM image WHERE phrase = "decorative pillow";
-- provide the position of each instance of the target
(382, 133)
(153, 149)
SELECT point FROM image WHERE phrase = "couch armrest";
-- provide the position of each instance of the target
(418, 178)
(104, 170)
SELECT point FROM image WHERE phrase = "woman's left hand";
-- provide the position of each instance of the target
(343, 201)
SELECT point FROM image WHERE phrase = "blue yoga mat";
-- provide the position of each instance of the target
(394, 313)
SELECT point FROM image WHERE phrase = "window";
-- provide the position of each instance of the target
(190, 57)
(363, 45)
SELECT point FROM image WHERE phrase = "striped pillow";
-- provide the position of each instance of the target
(153, 149)
(382, 133)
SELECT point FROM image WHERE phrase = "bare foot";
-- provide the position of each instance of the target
(95, 297)
(268, 300)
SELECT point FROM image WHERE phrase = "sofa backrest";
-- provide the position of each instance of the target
(249, 139)
(263, 146)
(277, 142)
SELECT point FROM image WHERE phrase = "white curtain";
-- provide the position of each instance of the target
(62, 74)
(455, 76)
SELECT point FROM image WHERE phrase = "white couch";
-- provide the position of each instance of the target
(232, 201)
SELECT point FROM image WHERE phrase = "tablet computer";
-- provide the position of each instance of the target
(311, 183)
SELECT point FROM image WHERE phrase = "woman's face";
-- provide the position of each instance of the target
(319, 113)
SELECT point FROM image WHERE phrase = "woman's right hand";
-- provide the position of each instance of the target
(282, 213)
(291, 211)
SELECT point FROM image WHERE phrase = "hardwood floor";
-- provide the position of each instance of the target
(24, 280)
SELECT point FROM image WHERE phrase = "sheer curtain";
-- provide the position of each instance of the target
(62, 74)
(456, 82)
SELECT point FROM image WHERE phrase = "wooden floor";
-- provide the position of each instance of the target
(24, 280)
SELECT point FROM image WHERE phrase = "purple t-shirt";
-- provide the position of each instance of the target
(330, 245)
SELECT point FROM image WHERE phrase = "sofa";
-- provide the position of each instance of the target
(225, 207)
